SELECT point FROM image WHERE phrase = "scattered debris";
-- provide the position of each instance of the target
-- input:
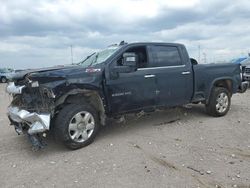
(199, 171)
(238, 176)
(52, 162)
(156, 159)
(208, 172)
(177, 139)
(110, 144)
(140, 114)
(147, 169)
(179, 123)
(167, 122)
(217, 186)
(136, 146)
(121, 119)
(187, 106)
(233, 155)
(162, 162)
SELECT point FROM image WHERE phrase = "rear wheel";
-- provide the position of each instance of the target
(76, 125)
(3, 80)
(219, 102)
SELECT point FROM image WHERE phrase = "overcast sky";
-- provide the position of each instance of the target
(38, 33)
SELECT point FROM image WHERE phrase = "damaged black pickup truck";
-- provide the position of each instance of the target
(74, 101)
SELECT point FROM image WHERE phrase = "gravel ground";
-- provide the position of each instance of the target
(181, 147)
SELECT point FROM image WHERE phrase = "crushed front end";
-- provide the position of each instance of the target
(31, 109)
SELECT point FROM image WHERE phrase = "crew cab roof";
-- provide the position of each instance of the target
(152, 43)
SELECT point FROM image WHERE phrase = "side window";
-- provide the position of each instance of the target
(165, 56)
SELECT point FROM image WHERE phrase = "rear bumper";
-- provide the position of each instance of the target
(37, 123)
(243, 87)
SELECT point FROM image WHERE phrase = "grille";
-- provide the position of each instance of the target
(247, 70)
(33, 100)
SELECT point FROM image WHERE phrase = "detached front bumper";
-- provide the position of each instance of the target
(37, 123)
(243, 87)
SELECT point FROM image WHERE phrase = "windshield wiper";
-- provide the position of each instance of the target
(86, 59)
(96, 57)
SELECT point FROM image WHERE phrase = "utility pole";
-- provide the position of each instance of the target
(205, 57)
(199, 53)
(71, 54)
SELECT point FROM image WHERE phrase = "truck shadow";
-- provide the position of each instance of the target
(178, 116)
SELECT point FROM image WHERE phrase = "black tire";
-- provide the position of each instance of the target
(63, 120)
(214, 96)
(3, 79)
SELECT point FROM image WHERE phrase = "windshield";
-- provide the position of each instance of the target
(99, 57)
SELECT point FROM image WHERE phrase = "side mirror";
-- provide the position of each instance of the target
(130, 60)
(193, 61)
(129, 64)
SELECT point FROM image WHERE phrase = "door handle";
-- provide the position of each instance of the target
(186, 72)
(149, 76)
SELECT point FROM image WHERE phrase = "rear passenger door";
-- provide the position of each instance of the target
(173, 74)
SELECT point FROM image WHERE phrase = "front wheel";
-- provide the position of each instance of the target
(219, 102)
(76, 125)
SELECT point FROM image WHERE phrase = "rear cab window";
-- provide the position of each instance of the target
(163, 56)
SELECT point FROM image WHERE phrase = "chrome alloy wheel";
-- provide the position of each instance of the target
(222, 102)
(81, 126)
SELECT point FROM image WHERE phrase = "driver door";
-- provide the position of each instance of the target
(131, 91)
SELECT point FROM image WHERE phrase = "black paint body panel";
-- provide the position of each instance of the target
(133, 91)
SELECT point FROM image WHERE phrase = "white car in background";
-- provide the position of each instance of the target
(5, 74)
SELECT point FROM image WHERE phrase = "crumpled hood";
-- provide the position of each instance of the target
(20, 75)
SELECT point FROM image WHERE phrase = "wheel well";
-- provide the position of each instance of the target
(85, 96)
(226, 84)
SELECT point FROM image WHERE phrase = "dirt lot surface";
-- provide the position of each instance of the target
(181, 147)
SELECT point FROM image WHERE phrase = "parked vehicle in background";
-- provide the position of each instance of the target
(74, 101)
(5, 74)
(246, 69)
